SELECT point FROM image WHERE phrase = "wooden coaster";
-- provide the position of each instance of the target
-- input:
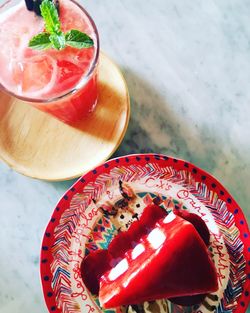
(37, 145)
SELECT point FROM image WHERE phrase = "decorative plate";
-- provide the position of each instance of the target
(81, 223)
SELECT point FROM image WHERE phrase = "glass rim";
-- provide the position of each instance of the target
(84, 79)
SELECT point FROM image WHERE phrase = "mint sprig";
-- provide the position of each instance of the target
(53, 37)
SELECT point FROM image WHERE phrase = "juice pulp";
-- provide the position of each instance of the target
(44, 76)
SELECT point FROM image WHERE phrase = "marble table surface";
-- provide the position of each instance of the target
(187, 68)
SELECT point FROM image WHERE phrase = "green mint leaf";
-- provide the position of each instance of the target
(77, 39)
(40, 42)
(50, 16)
(58, 40)
(54, 37)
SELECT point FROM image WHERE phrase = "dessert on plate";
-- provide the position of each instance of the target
(160, 256)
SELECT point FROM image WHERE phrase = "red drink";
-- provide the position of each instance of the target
(60, 82)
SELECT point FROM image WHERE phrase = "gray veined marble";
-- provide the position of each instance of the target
(187, 65)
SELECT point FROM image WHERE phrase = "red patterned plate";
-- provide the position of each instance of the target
(81, 223)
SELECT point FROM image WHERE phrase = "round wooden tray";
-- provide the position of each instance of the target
(37, 145)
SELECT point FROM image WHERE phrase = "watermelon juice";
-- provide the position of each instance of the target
(60, 82)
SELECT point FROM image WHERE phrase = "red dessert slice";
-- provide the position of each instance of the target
(171, 261)
(98, 263)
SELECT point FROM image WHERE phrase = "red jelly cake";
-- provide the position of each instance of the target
(160, 256)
